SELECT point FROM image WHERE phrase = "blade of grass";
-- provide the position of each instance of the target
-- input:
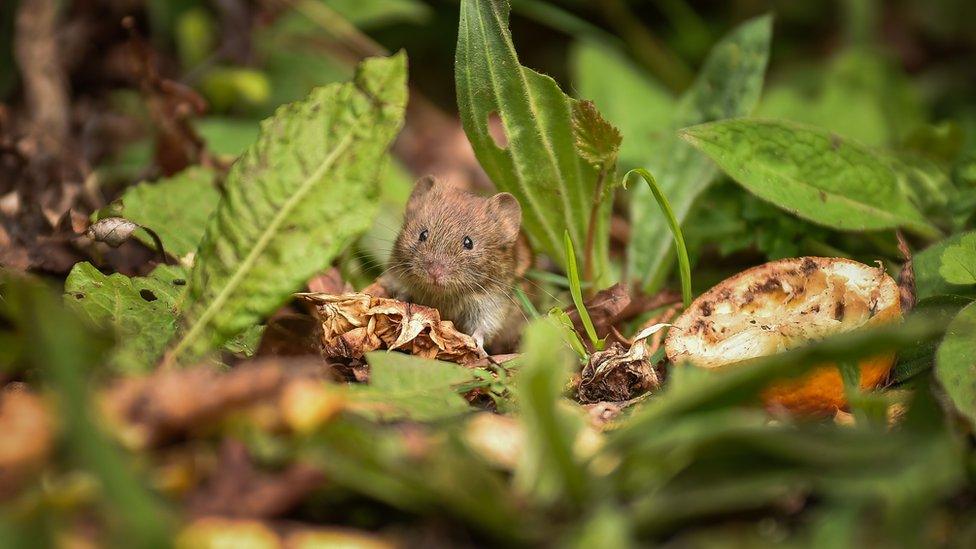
(572, 271)
(684, 266)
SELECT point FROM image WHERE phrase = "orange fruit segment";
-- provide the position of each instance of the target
(782, 305)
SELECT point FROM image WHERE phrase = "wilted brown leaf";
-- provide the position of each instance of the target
(616, 374)
(149, 410)
(355, 324)
(604, 308)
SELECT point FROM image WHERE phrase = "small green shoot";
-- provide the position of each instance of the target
(571, 337)
(684, 266)
(577, 292)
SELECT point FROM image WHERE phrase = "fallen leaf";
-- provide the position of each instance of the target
(355, 324)
(149, 410)
(616, 374)
(604, 309)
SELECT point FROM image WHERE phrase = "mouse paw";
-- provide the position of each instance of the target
(479, 340)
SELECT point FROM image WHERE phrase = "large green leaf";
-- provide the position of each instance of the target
(959, 261)
(955, 362)
(811, 173)
(539, 164)
(408, 387)
(140, 310)
(728, 85)
(639, 106)
(176, 208)
(292, 202)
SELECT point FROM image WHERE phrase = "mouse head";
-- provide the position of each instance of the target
(454, 241)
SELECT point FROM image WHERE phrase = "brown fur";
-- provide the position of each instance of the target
(475, 292)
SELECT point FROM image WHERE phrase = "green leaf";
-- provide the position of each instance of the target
(539, 164)
(292, 202)
(408, 387)
(955, 362)
(959, 261)
(728, 85)
(141, 310)
(810, 172)
(577, 292)
(177, 208)
(597, 141)
(548, 470)
(929, 281)
(631, 101)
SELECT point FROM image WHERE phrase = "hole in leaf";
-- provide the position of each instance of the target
(179, 282)
(497, 130)
(79, 295)
(147, 295)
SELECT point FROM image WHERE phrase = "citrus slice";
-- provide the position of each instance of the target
(784, 304)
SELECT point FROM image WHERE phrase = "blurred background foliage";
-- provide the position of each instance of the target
(894, 74)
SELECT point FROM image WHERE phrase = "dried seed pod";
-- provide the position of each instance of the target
(113, 231)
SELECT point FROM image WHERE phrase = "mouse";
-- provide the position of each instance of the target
(458, 253)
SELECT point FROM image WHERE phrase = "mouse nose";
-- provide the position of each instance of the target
(437, 272)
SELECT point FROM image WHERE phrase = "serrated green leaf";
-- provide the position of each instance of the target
(597, 141)
(631, 101)
(408, 387)
(811, 173)
(539, 164)
(294, 200)
(140, 310)
(955, 362)
(958, 264)
(177, 208)
(728, 85)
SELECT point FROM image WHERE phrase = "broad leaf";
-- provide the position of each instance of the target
(539, 164)
(140, 310)
(631, 101)
(176, 208)
(928, 264)
(955, 362)
(811, 173)
(407, 387)
(959, 261)
(727, 86)
(294, 200)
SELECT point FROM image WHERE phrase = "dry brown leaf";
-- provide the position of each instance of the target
(355, 324)
(604, 309)
(150, 410)
(616, 374)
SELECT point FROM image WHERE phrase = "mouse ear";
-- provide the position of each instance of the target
(420, 189)
(509, 213)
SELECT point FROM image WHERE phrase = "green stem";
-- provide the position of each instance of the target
(572, 271)
(684, 266)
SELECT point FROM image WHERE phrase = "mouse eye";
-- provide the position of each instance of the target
(423, 235)
(468, 243)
